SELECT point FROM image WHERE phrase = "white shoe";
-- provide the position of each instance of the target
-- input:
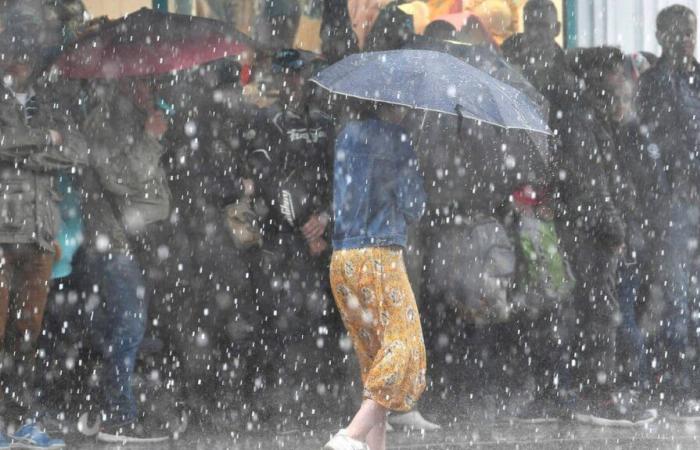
(412, 420)
(341, 441)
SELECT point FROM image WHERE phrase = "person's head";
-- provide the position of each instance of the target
(20, 65)
(291, 70)
(440, 30)
(392, 30)
(141, 91)
(603, 70)
(21, 55)
(474, 32)
(69, 16)
(541, 23)
(277, 26)
(676, 31)
(221, 73)
(390, 113)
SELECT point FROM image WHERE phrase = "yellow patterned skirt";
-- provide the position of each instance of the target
(379, 311)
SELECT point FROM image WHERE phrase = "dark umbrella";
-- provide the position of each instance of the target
(151, 42)
(432, 81)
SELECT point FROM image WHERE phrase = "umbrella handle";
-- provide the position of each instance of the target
(460, 118)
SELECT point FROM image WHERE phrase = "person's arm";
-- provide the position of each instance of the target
(658, 118)
(410, 193)
(72, 152)
(317, 225)
(18, 143)
(42, 148)
(17, 140)
(67, 147)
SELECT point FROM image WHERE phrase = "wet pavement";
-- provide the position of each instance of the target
(456, 435)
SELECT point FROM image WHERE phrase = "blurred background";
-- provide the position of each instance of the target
(503, 17)
(587, 22)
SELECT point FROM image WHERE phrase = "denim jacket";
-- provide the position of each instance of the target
(378, 190)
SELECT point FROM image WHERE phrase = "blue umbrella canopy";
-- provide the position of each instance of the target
(432, 81)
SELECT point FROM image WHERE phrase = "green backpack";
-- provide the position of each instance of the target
(546, 278)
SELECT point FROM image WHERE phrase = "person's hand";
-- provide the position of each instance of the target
(248, 187)
(56, 137)
(156, 124)
(317, 246)
(315, 227)
(58, 251)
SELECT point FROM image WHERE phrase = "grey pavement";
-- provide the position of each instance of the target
(456, 435)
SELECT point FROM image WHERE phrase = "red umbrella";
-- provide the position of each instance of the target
(151, 42)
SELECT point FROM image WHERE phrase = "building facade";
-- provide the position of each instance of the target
(628, 24)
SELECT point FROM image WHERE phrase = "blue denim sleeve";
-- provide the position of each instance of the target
(410, 192)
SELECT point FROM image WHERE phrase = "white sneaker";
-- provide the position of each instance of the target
(412, 420)
(341, 441)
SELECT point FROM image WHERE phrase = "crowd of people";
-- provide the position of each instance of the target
(166, 241)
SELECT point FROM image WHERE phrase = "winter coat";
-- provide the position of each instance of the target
(581, 181)
(289, 158)
(378, 189)
(127, 179)
(632, 177)
(668, 104)
(205, 145)
(29, 211)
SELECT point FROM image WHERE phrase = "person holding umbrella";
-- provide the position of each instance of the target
(378, 192)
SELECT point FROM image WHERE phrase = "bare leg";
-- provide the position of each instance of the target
(370, 415)
(376, 439)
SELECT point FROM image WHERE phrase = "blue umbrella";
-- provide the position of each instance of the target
(432, 81)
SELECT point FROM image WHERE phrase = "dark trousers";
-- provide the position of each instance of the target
(631, 348)
(594, 335)
(297, 327)
(25, 272)
(672, 352)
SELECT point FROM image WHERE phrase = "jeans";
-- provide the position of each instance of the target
(119, 325)
(630, 341)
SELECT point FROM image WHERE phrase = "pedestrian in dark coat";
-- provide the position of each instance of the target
(588, 222)
(669, 104)
(288, 157)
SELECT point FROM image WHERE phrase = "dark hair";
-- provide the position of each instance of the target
(20, 38)
(440, 29)
(392, 30)
(278, 24)
(539, 5)
(592, 63)
(666, 16)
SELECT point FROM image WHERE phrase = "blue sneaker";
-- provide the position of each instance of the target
(32, 436)
(4, 441)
